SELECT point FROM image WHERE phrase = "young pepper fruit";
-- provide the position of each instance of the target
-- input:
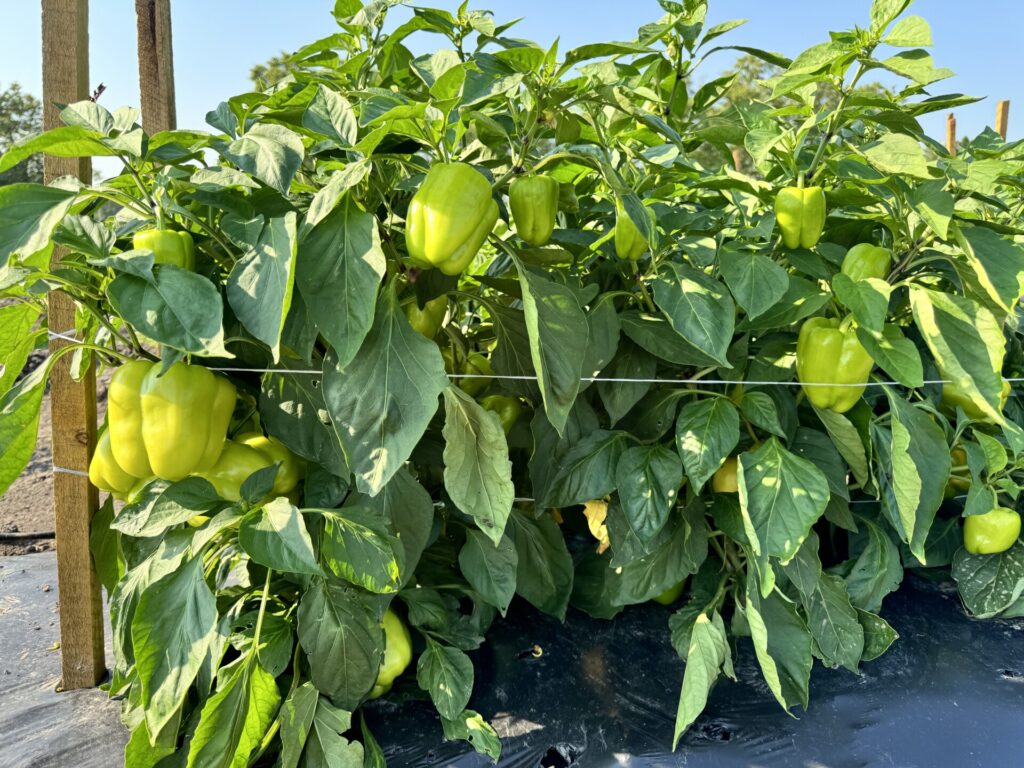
(476, 364)
(992, 532)
(449, 218)
(247, 454)
(671, 594)
(828, 353)
(801, 216)
(509, 409)
(534, 204)
(866, 260)
(290, 467)
(428, 320)
(105, 473)
(953, 396)
(397, 653)
(726, 480)
(629, 240)
(167, 426)
(168, 246)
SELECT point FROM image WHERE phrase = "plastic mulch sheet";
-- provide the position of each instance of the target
(949, 693)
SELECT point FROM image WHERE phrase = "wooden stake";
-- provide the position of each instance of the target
(951, 133)
(156, 65)
(1002, 117)
(66, 80)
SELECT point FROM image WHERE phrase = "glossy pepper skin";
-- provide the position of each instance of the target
(290, 467)
(428, 320)
(629, 240)
(801, 216)
(509, 409)
(958, 482)
(725, 480)
(397, 653)
(105, 473)
(671, 594)
(168, 426)
(866, 260)
(828, 352)
(991, 533)
(236, 462)
(478, 365)
(534, 204)
(168, 246)
(449, 218)
(953, 396)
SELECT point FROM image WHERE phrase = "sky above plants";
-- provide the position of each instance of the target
(216, 43)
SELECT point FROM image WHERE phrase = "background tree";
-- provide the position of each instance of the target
(21, 115)
(276, 68)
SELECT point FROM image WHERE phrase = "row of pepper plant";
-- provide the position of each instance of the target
(406, 336)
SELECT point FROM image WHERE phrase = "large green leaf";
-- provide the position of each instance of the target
(707, 652)
(16, 340)
(755, 280)
(446, 673)
(28, 215)
(408, 506)
(648, 478)
(699, 308)
(275, 535)
(326, 747)
(544, 574)
(19, 425)
(490, 569)
(382, 402)
(477, 470)
(706, 433)
(989, 584)
(357, 546)
(339, 266)
(296, 722)
(271, 153)
(259, 288)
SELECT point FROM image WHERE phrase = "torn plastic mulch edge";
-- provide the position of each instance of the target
(948, 693)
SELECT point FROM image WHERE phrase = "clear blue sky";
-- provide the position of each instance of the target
(217, 41)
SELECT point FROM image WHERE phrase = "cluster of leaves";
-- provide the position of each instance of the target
(256, 636)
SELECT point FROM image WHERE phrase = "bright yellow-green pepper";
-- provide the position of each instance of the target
(290, 467)
(629, 240)
(168, 247)
(509, 409)
(236, 463)
(726, 479)
(449, 218)
(866, 260)
(801, 216)
(428, 320)
(953, 396)
(534, 204)
(829, 353)
(104, 471)
(397, 653)
(671, 594)
(168, 426)
(992, 532)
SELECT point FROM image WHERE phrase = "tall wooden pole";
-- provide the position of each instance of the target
(156, 65)
(1002, 117)
(951, 133)
(66, 80)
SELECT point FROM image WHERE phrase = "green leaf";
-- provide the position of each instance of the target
(171, 632)
(235, 719)
(895, 354)
(357, 546)
(707, 652)
(408, 506)
(897, 154)
(782, 644)
(296, 722)
(755, 280)
(342, 639)
(477, 470)
(989, 584)
(781, 497)
(382, 401)
(28, 215)
(883, 12)
(933, 204)
(707, 431)
(630, 362)
(259, 288)
(19, 425)
(909, 32)
(177, 308)
(587, 471)
(275, 536)
(65, 141)
(868, 300)
(326, 747)
(648, 478)
(292, 407)
(761, 411)
(271, 153)
(876, 572)
(489, 569)
(103, 546)
(339, 266)
(330, 114)
(915, 465)
(16, 340)
(544, 574)
(446, 673)
(162, 505)
(995, 263)
(558, 332)
(328, 196)
(878, 635)
(699, 309)
(833, 622)
(967, 342)
(470, 726)
(848, 442)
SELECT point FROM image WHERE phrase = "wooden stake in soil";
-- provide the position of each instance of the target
(951, 133)
(1002, 117)
(156, 65)
(66, 80)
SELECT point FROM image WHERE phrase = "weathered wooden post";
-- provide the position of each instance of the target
(1002, 117)
(156, 65)
(951, 133)
(66, 80)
